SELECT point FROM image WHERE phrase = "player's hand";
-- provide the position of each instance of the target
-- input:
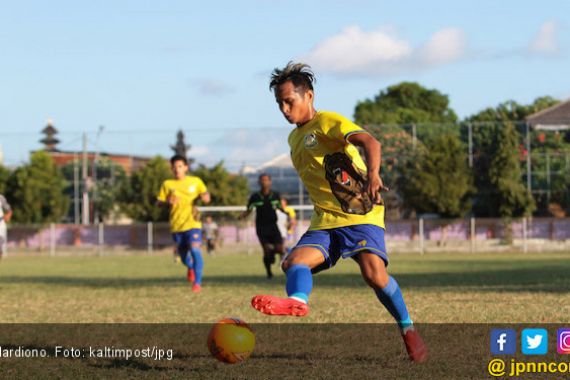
(172, 199)
(374, 186)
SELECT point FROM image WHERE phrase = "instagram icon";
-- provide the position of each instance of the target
(563, 345)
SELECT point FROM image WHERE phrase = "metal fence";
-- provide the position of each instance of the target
(420, 235)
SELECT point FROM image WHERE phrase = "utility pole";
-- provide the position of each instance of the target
(85, 197)
(76, 213)
(94, 173)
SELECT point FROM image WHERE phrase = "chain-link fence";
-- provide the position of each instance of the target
(237, 236)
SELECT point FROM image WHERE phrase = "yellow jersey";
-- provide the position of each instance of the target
(328, 133)
(292, 215)
(183, 212)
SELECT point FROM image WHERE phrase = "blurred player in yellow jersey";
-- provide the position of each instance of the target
(180, 194)
(287, 223)
(348, 217)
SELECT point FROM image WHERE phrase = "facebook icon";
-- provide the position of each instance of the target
(503, 342)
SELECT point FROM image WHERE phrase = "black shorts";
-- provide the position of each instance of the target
(269, 234)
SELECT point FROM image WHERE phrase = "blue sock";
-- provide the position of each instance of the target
(185, 257)
(299, 282)
(392, 299)
(198, 263)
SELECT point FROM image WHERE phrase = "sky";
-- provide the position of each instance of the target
(131, 73)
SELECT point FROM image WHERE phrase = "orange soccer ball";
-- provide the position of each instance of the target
(231, 340)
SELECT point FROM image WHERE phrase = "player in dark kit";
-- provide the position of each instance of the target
(266, 202)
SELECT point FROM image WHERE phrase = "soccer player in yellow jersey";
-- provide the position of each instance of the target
(289, 225)
(179, 194)
(319, 141)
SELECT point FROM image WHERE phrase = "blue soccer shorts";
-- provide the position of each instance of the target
(345, 242)
(185, 239)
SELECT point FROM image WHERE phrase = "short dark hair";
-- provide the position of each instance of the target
(178, 157)
(263, 175)
(300, 74)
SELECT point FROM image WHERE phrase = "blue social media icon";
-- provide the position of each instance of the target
(534, 341)
(503, 342)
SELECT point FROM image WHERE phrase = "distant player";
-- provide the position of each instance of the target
(287, 223)
(210, 229)
(266, 202)
(5, 215)
(179, 194)
(348, 217)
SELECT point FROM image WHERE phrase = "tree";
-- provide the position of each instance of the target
(111, 180)
(225, 189)
(4, 176)
(511, 198)
(512, 111)
(138, 196)
(389, 117)
(37, 190)
(405, 103)
(438, 179)
(489, 126)
(104, 194)
(397, 149)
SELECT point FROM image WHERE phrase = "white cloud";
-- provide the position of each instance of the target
(198, 151)
(353, 50)
(546, 40)
(212, 87)
(444, 46)
(357, 52)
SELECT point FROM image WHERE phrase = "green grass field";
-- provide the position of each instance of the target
(438, 288)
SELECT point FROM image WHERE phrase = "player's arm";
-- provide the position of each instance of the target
(373, 152)
(278, 202)
(248, 209)
(7, 216)
(245, 214)
(6, 209)
(160, 203)
(292, 222)
(166, 197)
(205, 197)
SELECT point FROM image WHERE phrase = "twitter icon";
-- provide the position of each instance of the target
(534, 341)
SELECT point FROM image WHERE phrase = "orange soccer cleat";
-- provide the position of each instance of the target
(191, 276)
(417, 350)
(272, 305)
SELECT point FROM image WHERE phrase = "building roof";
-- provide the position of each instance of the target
(49, 130)
(281, 161)
(556, 117)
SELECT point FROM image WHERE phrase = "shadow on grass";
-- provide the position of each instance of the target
(545, 278)
(137, 365)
